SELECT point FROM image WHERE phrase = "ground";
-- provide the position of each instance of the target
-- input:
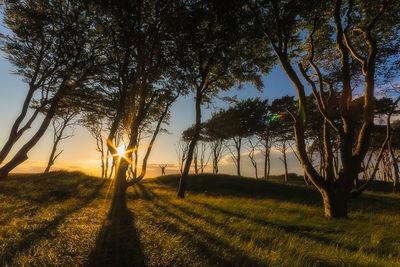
(59, 219)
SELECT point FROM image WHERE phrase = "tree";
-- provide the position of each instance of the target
(60, 124)
(281, 128)
(96, 125)
(213, 132)
(217, 54)
(54, 55)
(337, 54)
(142, 38)
(253, 147)
(181, 151)
(245, 119)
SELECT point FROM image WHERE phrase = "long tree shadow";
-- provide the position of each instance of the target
(33, 237)
(117, 243)
(231, 186)
(319, 234)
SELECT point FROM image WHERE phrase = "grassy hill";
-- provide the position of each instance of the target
(59, 219)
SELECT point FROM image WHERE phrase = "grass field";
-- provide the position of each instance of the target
(59, 219)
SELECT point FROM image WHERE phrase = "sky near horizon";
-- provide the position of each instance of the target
(79, 151)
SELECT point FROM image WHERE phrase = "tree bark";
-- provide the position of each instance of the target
(396, 176)
(53, 155)
(14, 136)
(118, 202)
(238, 146)
(285, 162)
(193, 142)
(195, 157)
(335, 204)
(266, 159)
(21, 155)
(306, 179)
(58, 135)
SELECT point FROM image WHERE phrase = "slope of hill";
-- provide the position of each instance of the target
(59, 219)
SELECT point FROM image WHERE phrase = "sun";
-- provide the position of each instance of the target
(121, 152)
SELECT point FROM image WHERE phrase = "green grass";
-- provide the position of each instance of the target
(60, 219)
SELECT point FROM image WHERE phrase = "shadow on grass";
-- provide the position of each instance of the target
(208, 244)
(163, 208)
(117, 243)
(30, 238)
(233, 186)
(51, 187)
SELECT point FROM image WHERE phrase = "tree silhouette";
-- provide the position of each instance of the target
(341, 49)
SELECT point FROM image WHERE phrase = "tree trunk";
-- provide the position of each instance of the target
(396, 176)
(53, 155)
(215, 160)
(195, 156)
(265, 164)
(21, 155)
(306, 179)
(193, 142)
(269, 166)
(106, 164)
(335, 204)
(15, 134)
(266, 160)
(185, 173)
(149, 148)
(118, 202)
(238, 145)
(285, 163)
(102, 169)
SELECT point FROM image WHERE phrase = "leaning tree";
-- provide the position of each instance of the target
(54, 55)
(338, 45)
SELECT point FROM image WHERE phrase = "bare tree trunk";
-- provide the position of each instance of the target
(21, 155)
(118, 202)
(266, 164)
(59, 128)
(102, 167)
(15, 134)
(396, 175)
(195, 156)
(237, 159)
(269, 166)
(285, 162)
(306, 179)
(267, 160)
(216, 148)
(335, 204)
(193, 142)
(106, 161)
(53, 155)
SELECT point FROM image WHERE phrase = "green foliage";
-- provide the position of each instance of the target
(218, 49)
(282, 129)
(246, 118)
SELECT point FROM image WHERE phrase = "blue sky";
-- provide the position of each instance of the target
(79, 151)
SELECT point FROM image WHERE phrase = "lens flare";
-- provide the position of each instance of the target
(274, 117)
(121, 152)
